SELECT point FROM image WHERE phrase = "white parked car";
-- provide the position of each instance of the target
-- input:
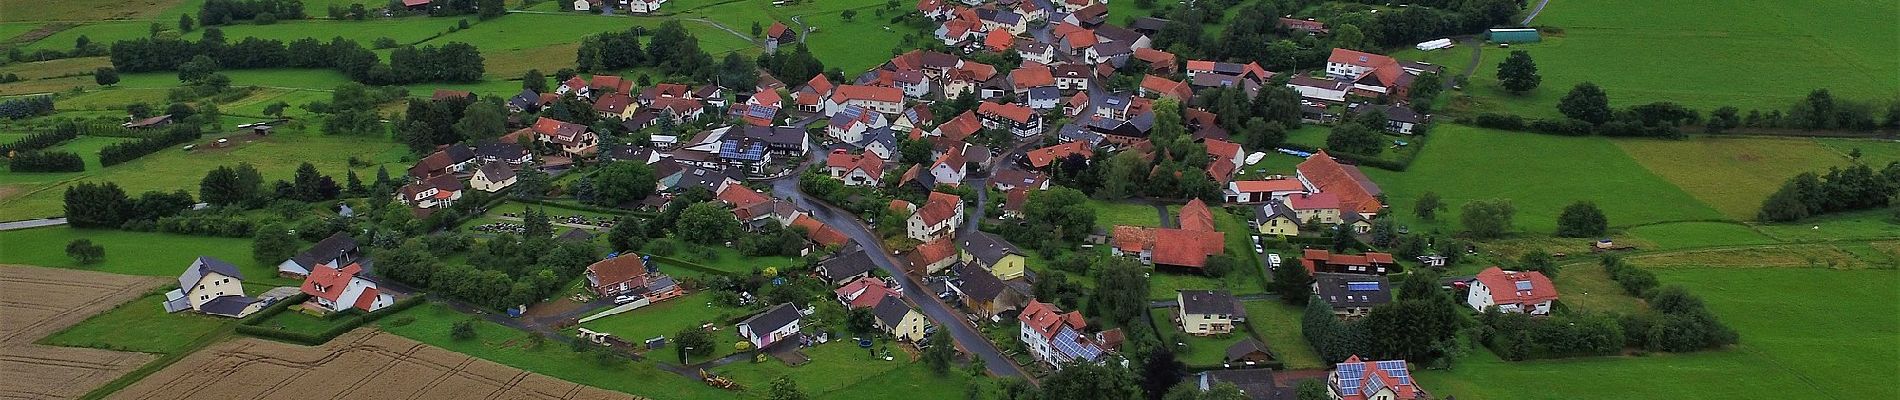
(1273, 260)
(625, 299)
(1258, 250)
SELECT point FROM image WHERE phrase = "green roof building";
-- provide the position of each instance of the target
(1518, 35)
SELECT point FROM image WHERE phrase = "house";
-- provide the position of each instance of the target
(1317, 261)
(1261, 191)
(846, 266)
(940, 215)
(610, 84)
(1357, 379)
(1225, 158)
(447, 159)
(1374, 75)
(1351, 295)
(1030, 76)
(616, 106)
(1010, 179)
(1188, 246)
(1248, 352)
(984, 294)
(814, 95)
(630, 275)
(663, 91)
(574, 85)
(1275, 218)
(1159, 62)
(149, 123)
(644, 6)
(1256, 383)
(1356, 192)
(333, 289)
(913, 119)
(817, 232)
(1058, 338)
(993, 253)
(1230, 73)
(850, 124)
(440, 191)
(1320, 208)
(1072, 76)
(898, 319)
(1208, 312)
(1019, 120)
(1398, 119)
(1015, 203)
(760, 109)
(777, 35)
(525, 101)
(336, 250)
(961, 127)
(932, 256)
(1328, 90)
(881, 142)
(770, 327)
(507, 152)
(213, 287)
(949, 168)
(888, 100)
(1512, 291)
(862, 292)
(1159, 87)
(492, 177)
(573, 139)
(1036, 52)
(862, 169)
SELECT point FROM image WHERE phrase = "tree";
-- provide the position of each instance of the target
(1293, 283)
(491, 8)
(304, 185)
(757, 30)
(706, 223)
(1538, 261)
(1586, 102)
(783, 388)
(1060, 212)
(1427, 206)
(83, 251)
(105, 76)
(1121, 291)
(627, 235)
(695, 341)
(462, 330)
(1419, 326)
(535, 225)
(482, 120)
(940, 354)
(531, 182)
(184, 23)
(1425, 90)
(1312, 389)
(273, 244)
(1385, 233)
(1487, 219)
(1581, 220)
(1090, 381)
(1355, 139)
(623, 182)
(1518, 73)
(848, 15)
(1160, 370)
(96, 205)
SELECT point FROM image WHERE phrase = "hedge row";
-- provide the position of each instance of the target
(116, 153)
(589, 208)
(250, 324)
(670, 261)
(39, 140)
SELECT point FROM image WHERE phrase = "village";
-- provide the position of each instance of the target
(1034, 199)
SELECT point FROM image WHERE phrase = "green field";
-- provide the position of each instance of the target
(840, 368)
(1795, 328)
(131, 253)
(140, 325)
(1679, 235)
(1201, 351)
(1109, 214)
(666, 319)
(1734, 175)
(506, 346)
(1278, 325)
(42, 193)
(1705, 54)
(1540, 174)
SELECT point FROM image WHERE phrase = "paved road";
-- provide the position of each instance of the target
(951, 320)
(1534, 11)
(31, 223)
(974, 217)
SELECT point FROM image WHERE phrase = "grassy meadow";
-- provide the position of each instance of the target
(1734, 175)
(140, 325)
(132, 253)
(666, 319)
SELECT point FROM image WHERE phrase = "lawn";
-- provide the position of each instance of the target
(1539, 174)
(1682, 235)
(169, 169)
(1586, 287)
(1202, 351)
(140, 325)
(1872, 224)
(131, 253)
(1278, 324)
(517, 42)
(1705, 54)
(1874, 152)
(404, 30)
(1108, 214)
(87, 147)
(295, 320)
(102, 32)
(430, 324)
(1794, 328)
(834, 367)
(854, 46)
(1731, 174)
(666, 319)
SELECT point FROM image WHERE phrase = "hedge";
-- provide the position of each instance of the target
(40, 140)
(249, 325)
(589, 208)
(670, 261)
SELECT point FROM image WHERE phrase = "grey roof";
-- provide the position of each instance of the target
(497, 171)
(1209, 302)
(1392, 113)
(229, 306)
(979, 283)
(1272, 208)
(776, 136)
(987, 248)
(881, 135)
(1115, 48)
(1150, 24)
(891, 310)
(1333, 288)
(771, 320)
(524, 99)
(499, 150)
(203, 265)
(337, 246)
(708, 178)
(575, 235)
(1117, 34)
(1072, 132)
(1257, 384)
(1245, 347)
(1045, 93)
(852, 262)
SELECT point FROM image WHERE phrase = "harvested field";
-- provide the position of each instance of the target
(41, 301)
(363, 364)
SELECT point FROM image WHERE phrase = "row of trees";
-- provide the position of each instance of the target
(105, 205)
(452, 62)
(1518, 336)
(175, 134)
(224, 12)
(45, 161)
(433, 122)
(1676, 321)
(23, 107)
(1857, 187)
(671, 51)
(502, 272)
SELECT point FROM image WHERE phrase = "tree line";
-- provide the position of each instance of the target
(45, 161)
(175, 134)
(452, 62)
(1586, 109)
(1676, 320)
(105, 205)
(224, 12)
(671, 51)
(23, 107)
(1857, 187)
(1421, 325)
(39, 140)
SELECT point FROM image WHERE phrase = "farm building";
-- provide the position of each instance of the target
(1518, 35)
(1444, 43)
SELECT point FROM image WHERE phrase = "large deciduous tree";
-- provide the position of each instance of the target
(1518, 73)
(1582, 219)
(1487, 219)
(1586, 102)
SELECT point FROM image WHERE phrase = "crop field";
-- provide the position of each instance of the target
(1705, 54)
(372, 363)
(1539, 174)
(30, 10)
(1794, 328)
(41, 301)
(1733, 175)
(175, 169)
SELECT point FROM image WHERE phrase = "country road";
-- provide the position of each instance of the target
(1534, 12)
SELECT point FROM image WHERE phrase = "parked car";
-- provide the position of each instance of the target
(625, 299)
(1273, 260)
(1258, 250)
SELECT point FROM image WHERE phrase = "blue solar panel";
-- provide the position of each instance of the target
(1523, 286)
(1373, 385)
(760, 112)
(1396, 369)
(1362, 286)
(1069, 343)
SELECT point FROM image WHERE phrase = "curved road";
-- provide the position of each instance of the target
(951, 320)
(1534, 11)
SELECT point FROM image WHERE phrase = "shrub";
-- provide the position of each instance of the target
(1499, 121)
(462, 330)
(116, 153)
(46, 161)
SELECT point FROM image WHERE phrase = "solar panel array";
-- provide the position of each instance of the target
(1362, 286)
(1523, 286)
(1069, 342)
(1396, 370)
(760, 112)
(1349, 377)
(742, 149)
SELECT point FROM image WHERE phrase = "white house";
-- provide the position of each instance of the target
(1057, 338)
(492, 177)
(214, 287)
(850, 123)
(862, 169)
(888, 100)
(440, 191)
(937, 218)
(1207, 312)
(342, 289)
(770, 327)
(1512, 291)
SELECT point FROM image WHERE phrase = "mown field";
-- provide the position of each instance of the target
(132, 253)
(1734, 175)
(140, 325)
(1749, 54)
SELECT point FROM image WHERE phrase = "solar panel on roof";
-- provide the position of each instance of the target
(1523, 286)
(1362, 286)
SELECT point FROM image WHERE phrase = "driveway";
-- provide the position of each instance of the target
(952, 320)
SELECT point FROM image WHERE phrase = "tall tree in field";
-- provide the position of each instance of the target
(1587, 103)
(1293, 283)
(83, 251)
(1487, 219)
(105, 76)
(304, 185)
(1425, 91)
(1518, 73)
(1160, 370)
(184, 23)
(482, 120)
(1582, 219)
(273, 244)
(534, 80)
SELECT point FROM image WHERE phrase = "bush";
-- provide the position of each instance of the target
(84, 251)
(1566, 127)
(462, 330)
(1499, 121)
(26, 107)
(1635, 281)
(46, 161)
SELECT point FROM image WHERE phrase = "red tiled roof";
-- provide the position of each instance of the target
(1186, 248)
(1354, 190)
(1155, 57)
(778, 28)
(1358, 58)
(1166, 87)
(1133, 239)
(1503, 286)
(1031, 77)
(869, 93)
(931, 252)
(1196, 217)
(613, 103)
(329, 282)
(1080, 38)
(742, 200)
(623, 268)
(1047, 320)
(847, 161)
(961, 127)
(1049, 155)
(1309, 256)
(939, 208)
(1012, 112)
(614, 82)
(768, 98)
(1312, 201)
(1270, 185)
(1016, 200)
(998, 39)
(819, 232)
(442, 94)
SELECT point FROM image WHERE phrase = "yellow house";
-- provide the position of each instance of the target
(993, 253)
(1208, 312)
(1274, 218)
(1320, 207)
(211, 286)
(899, 320)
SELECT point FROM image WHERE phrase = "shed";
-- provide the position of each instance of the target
(1512, 35)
